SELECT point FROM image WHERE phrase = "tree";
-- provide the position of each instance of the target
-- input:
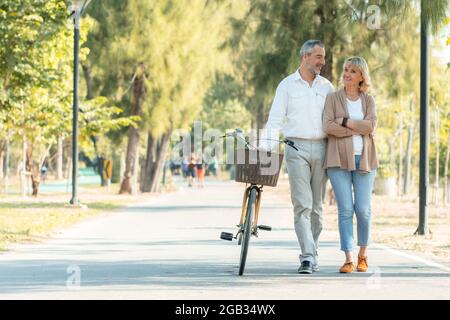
(36, 67)
(30, 60)
(222, 106)
(268, 37)
(170, 51)
(440, 108)
(195, 31)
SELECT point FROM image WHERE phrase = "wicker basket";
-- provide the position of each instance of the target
(258, 167)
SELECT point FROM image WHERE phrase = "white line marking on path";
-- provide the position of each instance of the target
(415, 258)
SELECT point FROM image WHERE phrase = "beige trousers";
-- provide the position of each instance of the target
(307, 180)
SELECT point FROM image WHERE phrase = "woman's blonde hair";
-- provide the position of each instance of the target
(361, 64)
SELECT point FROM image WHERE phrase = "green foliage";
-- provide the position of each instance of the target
(36, 77)
(434, 12)
(222, 108)
(178, 44)
(98, 117)
(26, 31)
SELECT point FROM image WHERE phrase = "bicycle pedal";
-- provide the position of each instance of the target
(226, 236)
(265, 228)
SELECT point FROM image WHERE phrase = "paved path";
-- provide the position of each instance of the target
(169, 248)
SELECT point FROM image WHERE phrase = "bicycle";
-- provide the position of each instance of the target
(250, 173)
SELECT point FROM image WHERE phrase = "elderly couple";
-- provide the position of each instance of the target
(333, 131)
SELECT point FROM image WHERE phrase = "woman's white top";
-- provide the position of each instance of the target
(355, 112)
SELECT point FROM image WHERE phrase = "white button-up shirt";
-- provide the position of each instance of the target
(297, 109)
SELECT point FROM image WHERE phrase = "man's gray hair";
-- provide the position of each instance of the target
(308, 46)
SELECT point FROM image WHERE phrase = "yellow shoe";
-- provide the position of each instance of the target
(362, 264)
(348, 267)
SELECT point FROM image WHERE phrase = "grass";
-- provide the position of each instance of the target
(28, 220)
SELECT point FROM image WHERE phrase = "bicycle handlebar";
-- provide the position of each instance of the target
(237, 133)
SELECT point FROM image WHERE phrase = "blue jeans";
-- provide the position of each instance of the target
(342, 181)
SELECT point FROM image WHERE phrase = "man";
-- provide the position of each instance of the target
(297, 109)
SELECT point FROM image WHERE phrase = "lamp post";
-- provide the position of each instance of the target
(78, 7)
(423, 229)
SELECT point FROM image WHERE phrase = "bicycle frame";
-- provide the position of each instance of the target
(247, 191)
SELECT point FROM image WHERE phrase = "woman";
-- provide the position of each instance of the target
(350, 120)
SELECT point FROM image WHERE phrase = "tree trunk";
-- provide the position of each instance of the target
(5, 167)
(68, 166)
(35, 181)
(2, 156)
(101, 167)
(115, 177)
(147, 170)
(122, 165)
(154, 162)
(133, 133)
(409, 144)
(436, 172)
(23, 171)
(392, 154)
(447, 156)
(2, 165)
(88, 79)
(132, 155)
(33, 171)
(327, 70)
(400, 154)
(134, 178)
(392, 165)
(326, 31)
(59, 160)
(50, 165)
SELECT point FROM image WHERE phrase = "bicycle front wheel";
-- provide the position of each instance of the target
(247, 232)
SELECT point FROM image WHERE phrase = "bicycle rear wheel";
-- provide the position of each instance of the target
(247, 232)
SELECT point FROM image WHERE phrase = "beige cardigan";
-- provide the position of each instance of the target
(340, 143)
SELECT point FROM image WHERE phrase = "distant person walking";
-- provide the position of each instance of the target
(213, 166)
(191, 169)
(200, 173)
(44, 170)
(184, 167)
(350, 120)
